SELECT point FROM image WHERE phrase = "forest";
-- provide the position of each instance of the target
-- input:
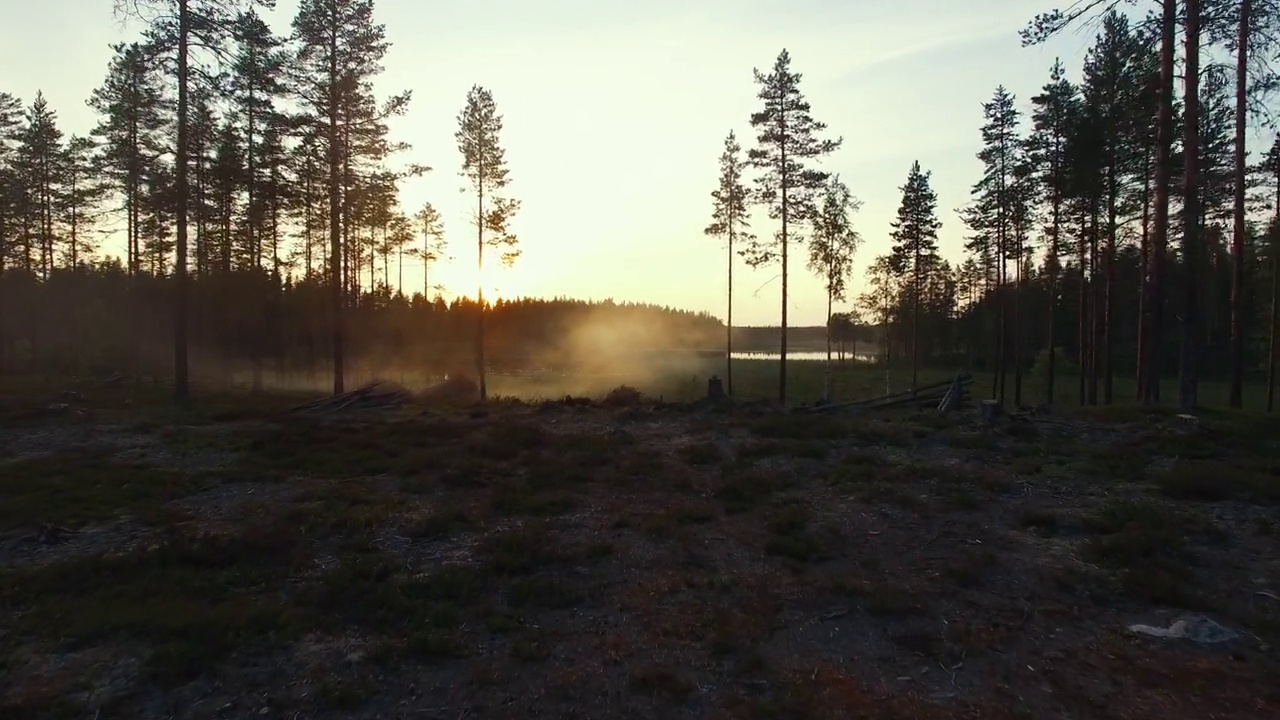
(1121, 227)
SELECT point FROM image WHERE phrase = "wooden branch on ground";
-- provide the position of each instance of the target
(362, 398)
(933, 393)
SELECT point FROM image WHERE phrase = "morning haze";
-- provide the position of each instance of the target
(916, 374)
(614, 116)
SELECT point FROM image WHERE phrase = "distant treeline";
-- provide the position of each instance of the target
(99, 319)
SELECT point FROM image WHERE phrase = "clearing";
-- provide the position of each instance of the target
(634, 561)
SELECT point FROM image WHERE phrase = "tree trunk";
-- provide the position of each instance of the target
(1275, 323)
(180, 380)
(336, 275)
(1054, 254)
(728, 334)
(1095, 289)
(1187, 375)
(915, 319)
(1273, 241)
(826, 380)
(1082, 331)
(1109, 292)
(1237, 240)
(1153, 305)
(1145, 252)
(1017, 323)
(484, 390)
(4, 252)
(782, 356)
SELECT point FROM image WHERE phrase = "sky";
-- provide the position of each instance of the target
(615, 115)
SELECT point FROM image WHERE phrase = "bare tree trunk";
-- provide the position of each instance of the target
(1082, 331)
(1145, 252)
(782, 355)
(484, 391)
(1095, 290)
(336, 274)
(1154, 303)
(1191, 251)
(1273, 238)
(1275, 323)
(826, 380)
(915, 320)
(1054, 272)
(1237, 240)
(728, 339)
(4, 252)
(1109, 292)
(180, 379)
(1017, 323)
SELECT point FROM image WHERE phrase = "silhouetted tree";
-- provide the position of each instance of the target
(729, 221)
(484, 165)
(434, 245)
(990, 215)
(1188, 377)
(340, 51)
(1053, 114)
(831, 250)
(915, 247)
(788, 142)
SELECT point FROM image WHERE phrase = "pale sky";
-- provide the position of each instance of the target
(615, 115)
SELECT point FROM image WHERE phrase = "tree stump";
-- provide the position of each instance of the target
(991, 410)
(715, 389)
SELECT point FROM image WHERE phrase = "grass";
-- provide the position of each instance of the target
(75, 487)
(704, 563)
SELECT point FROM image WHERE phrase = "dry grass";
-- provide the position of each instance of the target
(702, 565)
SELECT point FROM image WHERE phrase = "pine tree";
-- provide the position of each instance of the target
(1053, 115)
(831, 250)
(729, 221)
(1047, 25)
(990, 217)
(39, 157)
(1268, 177)
(915, 247)
(788, 142)
(1153, 298)
(10, 124)
(340, 50)
(434, 245)
(79, 197)
(1024, 192)
(1114, 76)
(484, 165)
(1188, 375)
(183, 25)
(255, 83)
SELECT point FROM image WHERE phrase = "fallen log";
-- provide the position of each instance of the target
(362, 398)
(934, 392)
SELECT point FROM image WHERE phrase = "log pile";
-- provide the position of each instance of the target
(944, 397)
(378, 395)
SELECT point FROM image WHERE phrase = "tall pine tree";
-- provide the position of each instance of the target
(831, 250)
(788, 143)
(1053, 114)
(729, 221)
(915, 247)
(484, 164)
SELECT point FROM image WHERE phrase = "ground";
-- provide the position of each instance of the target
(633, 560)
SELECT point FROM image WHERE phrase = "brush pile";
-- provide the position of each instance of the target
(378, 395)
(944, 396)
